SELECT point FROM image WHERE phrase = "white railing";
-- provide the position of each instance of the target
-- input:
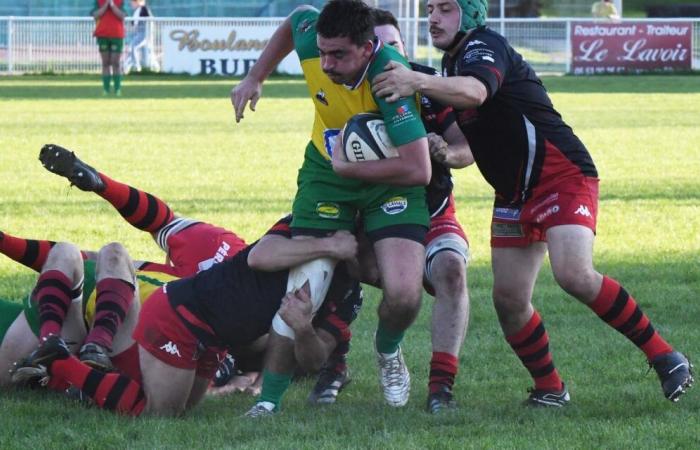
(66, 45)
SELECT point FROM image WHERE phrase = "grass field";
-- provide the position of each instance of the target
(176, 137)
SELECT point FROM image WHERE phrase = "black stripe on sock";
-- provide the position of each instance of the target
(619, 304)
(632, 322)
(539, 354)
(92, 382)
(131, 205)
(49, 316)
(536, 334)
(115, 394)
(542, 371)
(107, 323)
(151, 212)
(109, 306)
(46, 300)
(31, 251)
(643, 337)
(53, 283)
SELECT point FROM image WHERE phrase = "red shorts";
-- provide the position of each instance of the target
(127, 362)
(573, 202)
(445, 223)
(164, 335)
(200, 246)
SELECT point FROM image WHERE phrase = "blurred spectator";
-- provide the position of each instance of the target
(605, 9)
(140, 53)
(109, 31)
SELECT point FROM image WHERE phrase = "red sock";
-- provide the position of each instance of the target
(114, 297)
(53, 296)
(443, 370)
(619, 310)
(32, 253)
(111, 391)
(531, 344)
(140, 209)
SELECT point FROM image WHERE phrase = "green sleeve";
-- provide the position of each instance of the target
(304, 33)
(402, 117)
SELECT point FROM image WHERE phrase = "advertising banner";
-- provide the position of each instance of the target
(219, 49)
(609, 47)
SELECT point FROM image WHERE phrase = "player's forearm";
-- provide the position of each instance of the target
(309, 349)
(280, 45)
(274, 253)
(411, 168)
(458, 92)
(118, 12)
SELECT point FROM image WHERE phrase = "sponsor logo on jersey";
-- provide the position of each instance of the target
(171, 348)
(304, 26)
(321, 97)
(475, 42)
(506, 213)
(506, 230)
(328, 210)
(401, 110)
(583, 210)
(395, 205)
(548, 212)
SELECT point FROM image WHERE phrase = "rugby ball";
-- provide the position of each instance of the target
(365, 139)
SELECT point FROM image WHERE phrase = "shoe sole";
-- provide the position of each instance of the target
(57, 160)
(329, 400)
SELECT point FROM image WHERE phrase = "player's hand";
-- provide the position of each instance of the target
(297, 309)
(339, 160)
(438, 148)
(248, 90)
(395, 82)
(343, 245)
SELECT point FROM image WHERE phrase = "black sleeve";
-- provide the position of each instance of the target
(485, 58)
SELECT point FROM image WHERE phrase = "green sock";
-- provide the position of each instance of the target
(105, 82)
(117, 83)
(387, 341)
(273, 387)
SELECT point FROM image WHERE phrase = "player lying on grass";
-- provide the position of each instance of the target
(185, 325)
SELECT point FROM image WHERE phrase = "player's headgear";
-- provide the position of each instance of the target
(473, 13)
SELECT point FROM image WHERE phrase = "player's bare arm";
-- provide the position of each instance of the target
(311, 347)
(275, 252)
(99, 12)
(451, 149)
(398, 81)
(410, 168)
(116, 10)
(250, 88)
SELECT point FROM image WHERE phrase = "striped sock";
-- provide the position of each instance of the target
(32, 253)
(619, 310)
(531, 344)
(53, 296)
(443, 370)
(111, 391)
(141, 209)
(114, 298)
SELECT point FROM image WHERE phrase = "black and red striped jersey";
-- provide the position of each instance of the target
(517, 125)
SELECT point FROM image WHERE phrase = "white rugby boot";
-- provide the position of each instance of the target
(394, 378)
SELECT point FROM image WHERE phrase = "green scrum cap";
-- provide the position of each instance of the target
(473, 13)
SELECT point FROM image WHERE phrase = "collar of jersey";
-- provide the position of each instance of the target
(377, 43)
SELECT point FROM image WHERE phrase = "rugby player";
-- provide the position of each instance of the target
(185, 325)
(340, 58)
(546, 189)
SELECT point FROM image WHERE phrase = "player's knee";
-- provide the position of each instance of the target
(508, 299)
(113, 260)
(448, 273)
(580, 284)
(65, 257)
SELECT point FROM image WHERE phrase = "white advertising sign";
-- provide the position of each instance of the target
(219, 49)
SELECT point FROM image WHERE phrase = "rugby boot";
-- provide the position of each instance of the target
(548, 399)
(394, 378)
(96, 357)
(330, 382)
(261, 409)
(675, 373)
(441, 400)
(63, 162)
(226, 370)
(36, 368)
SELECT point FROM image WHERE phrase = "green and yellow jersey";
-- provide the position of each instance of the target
(335, 103)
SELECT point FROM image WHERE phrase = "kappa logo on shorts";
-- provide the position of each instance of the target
(171, 348)
(395, 205)
(507, 230)
(583, 210)
(328, 210)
